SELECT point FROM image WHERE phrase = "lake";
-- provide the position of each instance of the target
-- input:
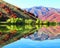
(29, 36)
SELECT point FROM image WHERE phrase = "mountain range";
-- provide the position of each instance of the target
(45, 13)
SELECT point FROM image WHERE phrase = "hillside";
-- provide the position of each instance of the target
(45, 13)
(10, 13)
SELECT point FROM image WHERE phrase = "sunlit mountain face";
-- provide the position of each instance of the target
(45, 13)
(37, 23)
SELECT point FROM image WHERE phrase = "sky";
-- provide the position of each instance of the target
(32, 3)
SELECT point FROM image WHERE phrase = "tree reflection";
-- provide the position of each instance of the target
(11, 33)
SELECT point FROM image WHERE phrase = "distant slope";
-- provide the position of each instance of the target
(45, 13)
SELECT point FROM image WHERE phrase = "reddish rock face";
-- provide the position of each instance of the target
(52, 18)
(44, 13)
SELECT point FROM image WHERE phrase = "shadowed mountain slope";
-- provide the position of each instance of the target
(8, 11)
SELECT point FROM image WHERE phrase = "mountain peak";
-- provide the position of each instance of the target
(46, 13)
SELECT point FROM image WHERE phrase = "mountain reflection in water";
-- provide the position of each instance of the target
(11, 33)
(51, 32)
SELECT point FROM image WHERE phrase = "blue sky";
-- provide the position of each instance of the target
(32, 3)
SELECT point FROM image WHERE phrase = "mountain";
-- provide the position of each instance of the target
(45, 13)
(8, 11)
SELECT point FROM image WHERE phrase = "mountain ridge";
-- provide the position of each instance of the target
(44, 13)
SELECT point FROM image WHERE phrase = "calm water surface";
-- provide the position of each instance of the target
(28, 36)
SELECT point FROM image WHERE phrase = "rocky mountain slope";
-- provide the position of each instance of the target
(45, 13)
(8, 11)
